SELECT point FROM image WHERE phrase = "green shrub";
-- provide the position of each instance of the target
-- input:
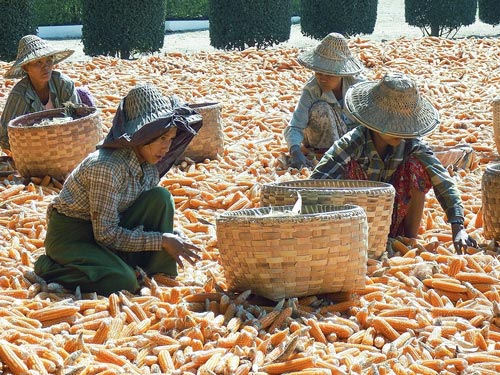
(489, 12)
(239, 24)
(110, 28)
(20, 22)
(440, 17)
(295, 7)
(318, 18)
(186, 9)
(58, 12)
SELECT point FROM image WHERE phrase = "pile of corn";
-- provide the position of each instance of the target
(423, 311)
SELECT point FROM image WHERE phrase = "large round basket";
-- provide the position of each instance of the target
(278, 254)
(496, 122)
(376, 198)
(209, 142)
(490, 188)
(54, 149)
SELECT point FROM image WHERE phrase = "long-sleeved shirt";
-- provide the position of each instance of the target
(358, 145)
(311, 93)
(23, 99)
(100, 188)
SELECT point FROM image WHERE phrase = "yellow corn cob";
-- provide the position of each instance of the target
(268, 319)
(280, 319)
(51, 313)
(208, 367)
(101, 335)
(288, 366)
(384, 328)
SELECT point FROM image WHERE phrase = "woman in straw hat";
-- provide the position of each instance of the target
(111, 219)
(319, 118)
(387, 148)
(40, 87)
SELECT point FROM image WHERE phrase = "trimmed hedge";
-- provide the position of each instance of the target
(58, 12)
(440, 17)
(489, 12)
(19, 22)
(239, 24)
(321, 17)
(109, 28)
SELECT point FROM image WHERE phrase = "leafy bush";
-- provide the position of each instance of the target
(58, 12)
(440, 17)
(321, 17)
(489, 12)
(110, 28)
(239, 24)
(295, 7)
(186, 9)
(20, 22)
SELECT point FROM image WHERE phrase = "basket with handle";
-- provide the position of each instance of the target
(376, 198)
(495, 104)
(53, 149)
(209, 142)
(280, 254)
(490, 189)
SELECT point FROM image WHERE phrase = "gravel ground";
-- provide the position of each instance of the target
(390, 25)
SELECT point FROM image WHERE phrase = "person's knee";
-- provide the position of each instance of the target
(116, 281)
(158, 196)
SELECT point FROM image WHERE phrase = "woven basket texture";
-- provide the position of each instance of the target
(376, 198)
(54, 149)
(209, 142)
(278, 255)
(496, 122)
(490, 188)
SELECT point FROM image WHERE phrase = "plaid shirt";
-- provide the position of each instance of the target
(312, 93)
(23, 99)
(358, 145)
(103, 186)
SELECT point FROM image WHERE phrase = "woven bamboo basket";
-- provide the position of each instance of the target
(209, 142)
(277, 254)
(54, 149)
(490, 189)
(496, 122)
(376, 198)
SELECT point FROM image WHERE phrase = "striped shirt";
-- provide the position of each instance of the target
(358, 145)
(23, 99)
(100, 188)
(312, 93)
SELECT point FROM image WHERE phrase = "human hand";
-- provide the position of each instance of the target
(298, 159)
(178, 247)
(461, 240)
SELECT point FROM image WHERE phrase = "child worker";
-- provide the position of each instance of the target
(111, 215)
(387, 148)
(319, 118)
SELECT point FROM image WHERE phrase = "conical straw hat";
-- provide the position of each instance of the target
(332, 56)
(392, 106)
(32, 48)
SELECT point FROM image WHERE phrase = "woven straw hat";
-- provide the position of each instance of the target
(144, 114)
(332, 56)
(392, 106)
(32, 48)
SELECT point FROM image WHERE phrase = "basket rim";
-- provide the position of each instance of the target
(205, 104)
(331, 184)
(493, 168)
(48, 113)
(333, 211)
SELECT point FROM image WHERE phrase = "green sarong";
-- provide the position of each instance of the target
(73, 257)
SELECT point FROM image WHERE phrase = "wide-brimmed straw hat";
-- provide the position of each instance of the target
(144, 114)
(332, 56)
(392, 106)
(32, 48)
